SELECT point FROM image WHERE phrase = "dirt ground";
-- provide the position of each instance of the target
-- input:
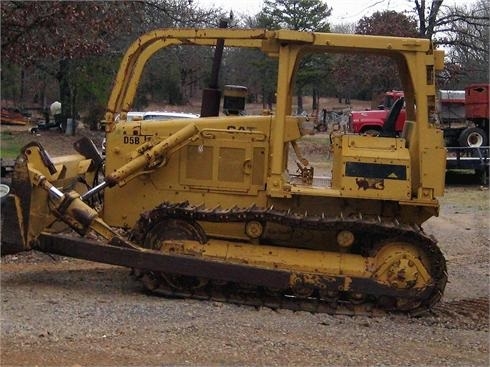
(57, 311)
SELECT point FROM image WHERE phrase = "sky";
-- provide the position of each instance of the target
(343, 11)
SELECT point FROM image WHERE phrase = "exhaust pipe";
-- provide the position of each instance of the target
(211, 96)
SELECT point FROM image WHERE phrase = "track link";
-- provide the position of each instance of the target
(373, 230)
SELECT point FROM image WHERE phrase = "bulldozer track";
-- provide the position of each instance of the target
(374, 230)
(260, 297)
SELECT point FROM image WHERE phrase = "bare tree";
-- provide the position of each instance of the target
(360, 76)
(464, 31)
(51, 35)
(427, 16)
(467, 38)
(175, 73)
(76, 45)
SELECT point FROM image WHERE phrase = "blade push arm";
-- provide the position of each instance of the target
(149, 156)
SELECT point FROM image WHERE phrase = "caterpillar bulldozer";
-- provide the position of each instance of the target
(208, 208)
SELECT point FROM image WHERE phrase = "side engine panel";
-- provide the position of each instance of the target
(224, 166)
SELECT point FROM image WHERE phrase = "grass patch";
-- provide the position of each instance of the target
(9, 145)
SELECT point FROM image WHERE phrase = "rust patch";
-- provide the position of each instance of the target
(370, 183)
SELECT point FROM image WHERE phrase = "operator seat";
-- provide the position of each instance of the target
(388, 130)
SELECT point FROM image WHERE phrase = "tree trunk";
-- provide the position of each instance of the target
(22, 86)
(44, 102)
(63, 77)
(300, 101)
(314, 104)
(270, 100)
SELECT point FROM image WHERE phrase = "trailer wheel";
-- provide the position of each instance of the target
(4, 191)
(473, 137)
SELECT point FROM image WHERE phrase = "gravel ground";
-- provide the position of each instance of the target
(57, 311)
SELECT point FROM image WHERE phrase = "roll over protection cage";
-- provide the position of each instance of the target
(416, 59)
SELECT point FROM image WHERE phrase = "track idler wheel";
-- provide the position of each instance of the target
(165, 230)
(400, 266)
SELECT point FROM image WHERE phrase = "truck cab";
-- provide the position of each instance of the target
(370, 122)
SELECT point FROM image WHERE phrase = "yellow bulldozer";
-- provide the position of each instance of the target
(207, 208)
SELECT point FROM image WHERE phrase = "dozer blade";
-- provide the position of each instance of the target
(157, 261)
(11, 226)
